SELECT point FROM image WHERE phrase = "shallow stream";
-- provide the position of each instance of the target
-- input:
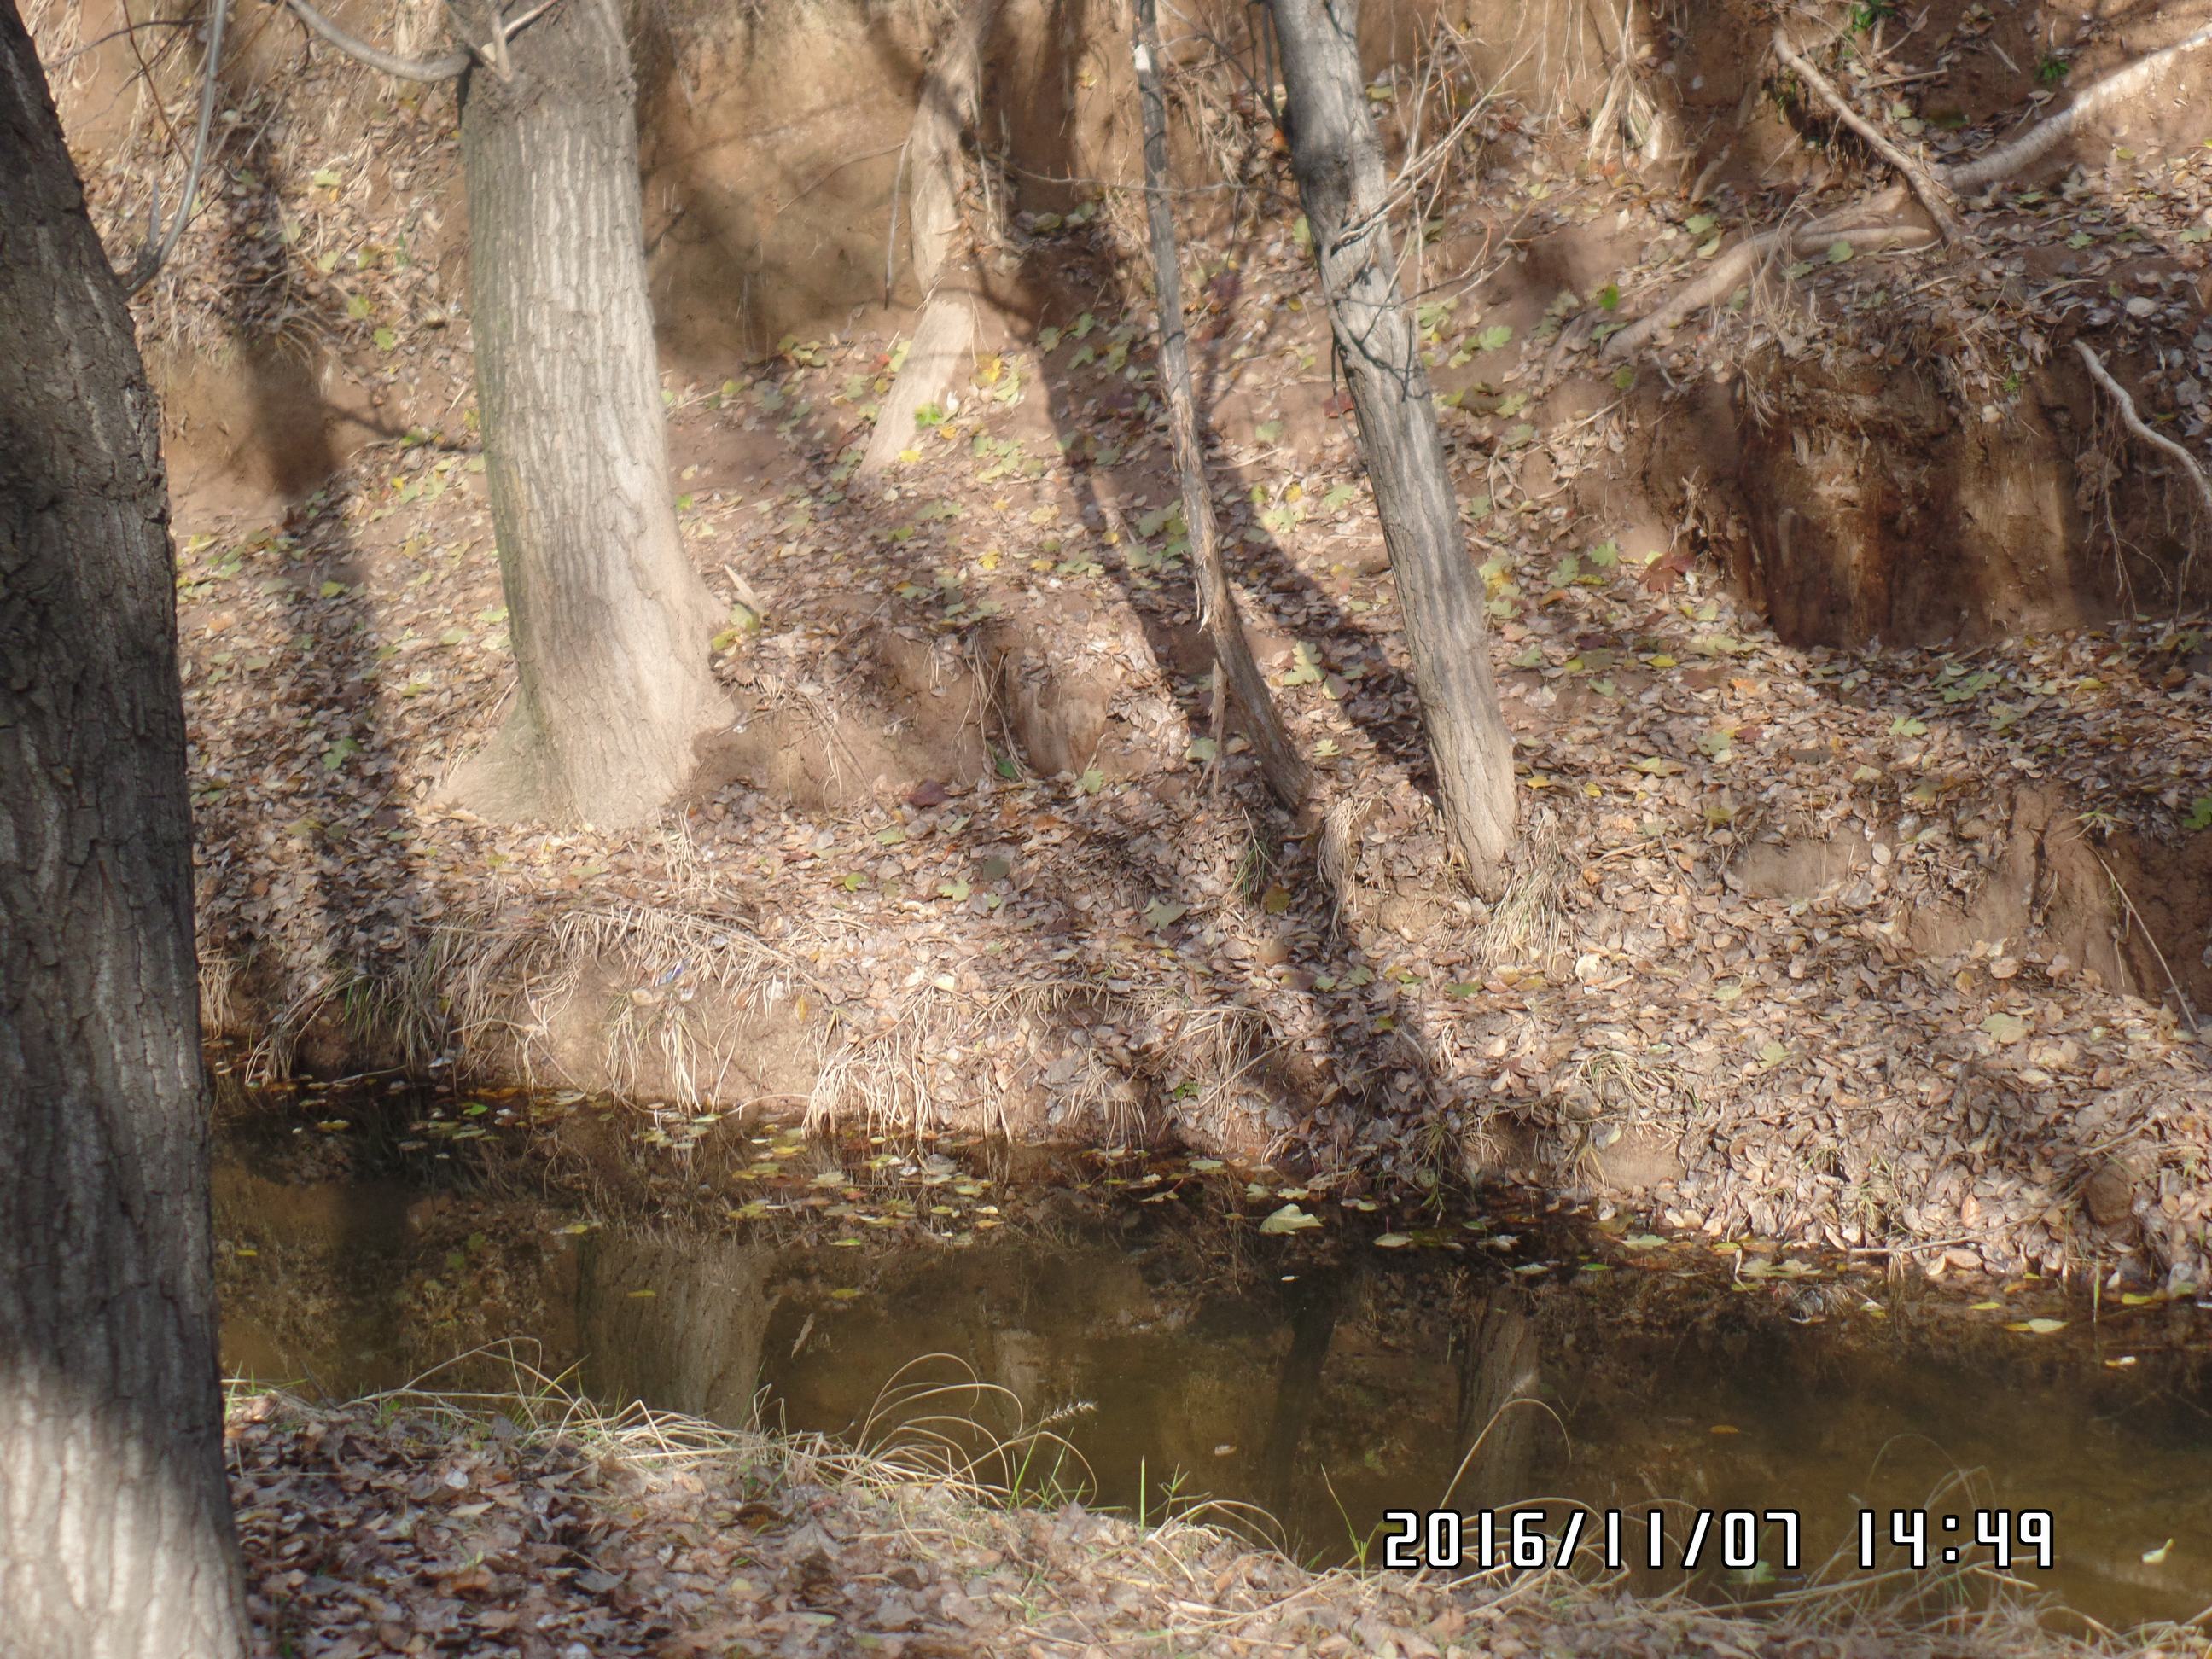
(1324, 1374)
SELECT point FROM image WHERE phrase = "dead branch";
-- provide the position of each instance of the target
(2135, 423)
(158, 247)
(1933, 194)
(426, 69)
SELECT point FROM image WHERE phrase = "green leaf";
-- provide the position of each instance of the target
(1393, 1241)
(1495, 337)
(1659, 767)
(2005, 1028)
(1304, 669)
(1268, 431)
(1202, 749)
(1839, 252)
(339, 753)
(1339, 496)
(1608, 297)
(2200, 814)
(956, 890)
(331, 590)
(1906, 726)
(358, 306)
(1091, 782)
(1289, 1219)
(1699, 224)
(385, 339)
(2037, 1327)
(1163, 913)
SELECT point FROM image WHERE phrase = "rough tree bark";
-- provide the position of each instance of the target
(115, 1529)
(1232, 651)
(610, 621)
(945, 335)
(1338, 159)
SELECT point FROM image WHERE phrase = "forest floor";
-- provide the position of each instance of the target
(407, 1525)
(1893, 949)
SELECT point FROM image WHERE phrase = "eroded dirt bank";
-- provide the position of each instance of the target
(1880, 923)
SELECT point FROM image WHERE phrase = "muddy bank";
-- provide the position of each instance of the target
(401, 1525)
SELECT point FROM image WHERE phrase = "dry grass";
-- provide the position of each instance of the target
(949, 1474)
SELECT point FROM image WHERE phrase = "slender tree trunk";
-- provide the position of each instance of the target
(1339, 162)
(1232, 653)
(610, 621)
(115, 1529)
(945, 338)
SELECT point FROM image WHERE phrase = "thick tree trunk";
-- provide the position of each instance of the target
(1232, 651)
(610, 621)
(115, 1529)
(1341, 182)
(944, 339)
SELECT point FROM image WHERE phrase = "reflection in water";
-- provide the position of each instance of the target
(1174, 1348)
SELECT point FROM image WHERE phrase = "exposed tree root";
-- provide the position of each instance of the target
(1938, 189)
(1934, 194)
(2135, 423)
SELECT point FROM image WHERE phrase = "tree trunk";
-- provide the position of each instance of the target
(945, 338)
(1341, 182)
(115, 1529)
(1232, 651)
(611, 623)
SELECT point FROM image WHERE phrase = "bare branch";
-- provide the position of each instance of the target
(407, 68)
(158, 248)
(1934, 194)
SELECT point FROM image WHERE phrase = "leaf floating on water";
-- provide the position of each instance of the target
(2153, 1557)
(1393, 1241)
(640, 1295)
(1364, 1204)
(1289, 1219)
(1724, 1428)
(843, 1293)
(2037, 1327)
(1204, 1165)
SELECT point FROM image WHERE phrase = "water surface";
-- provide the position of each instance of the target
(1184, 1353)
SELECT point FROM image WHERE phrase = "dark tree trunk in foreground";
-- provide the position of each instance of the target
(1341, 182)
(1232, 653)
(115, 1529)
(610, 621)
